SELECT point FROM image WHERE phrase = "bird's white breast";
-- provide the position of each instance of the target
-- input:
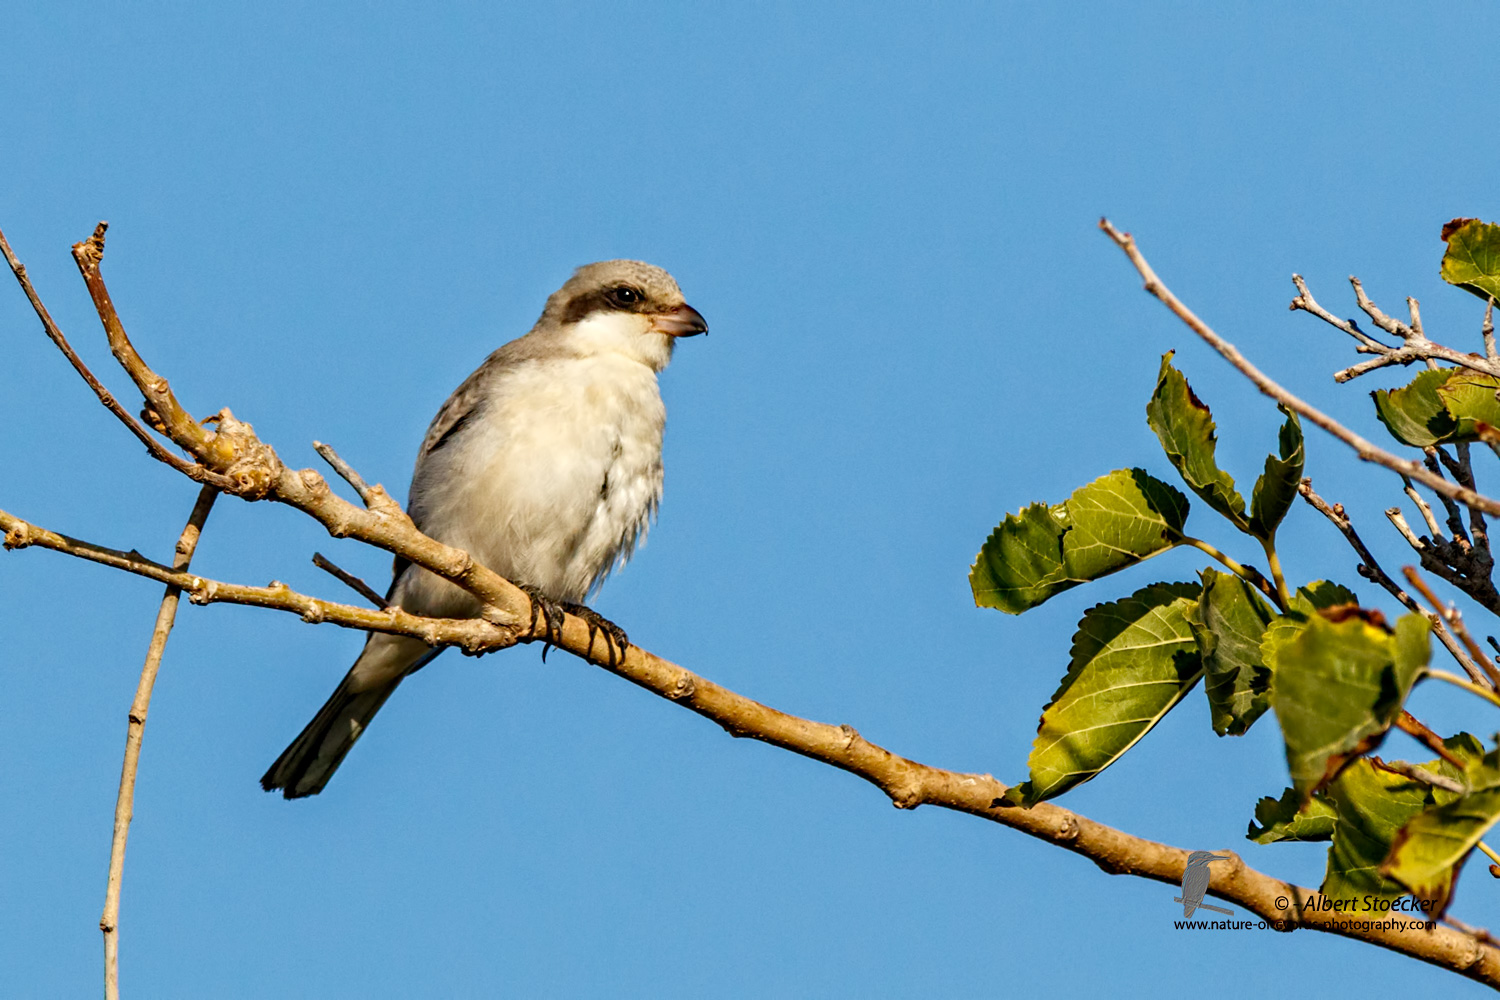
(556, 478)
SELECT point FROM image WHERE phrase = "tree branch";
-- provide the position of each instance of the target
(1364, 449)
(134, 731)
(253, 472)
(1372, 571)
(907, 783)
(193, 471)
(349, 580)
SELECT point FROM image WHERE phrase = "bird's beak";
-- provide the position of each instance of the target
(684, 321)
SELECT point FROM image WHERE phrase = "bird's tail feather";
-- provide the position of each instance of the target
(305, 766)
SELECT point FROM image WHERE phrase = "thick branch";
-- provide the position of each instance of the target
(908, 783)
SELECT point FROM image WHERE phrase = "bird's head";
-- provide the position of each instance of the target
(1201, 858)
(626, 307)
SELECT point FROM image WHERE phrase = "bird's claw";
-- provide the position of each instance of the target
(616, 642)
(551, 615)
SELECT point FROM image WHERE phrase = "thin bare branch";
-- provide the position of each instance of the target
(345, 471)
(1415, 309)
(350, 580)
(1478, 933)
(1430, 457)
(1487, 331)
(192, 470)
(1419, 774)
(251, 469)
(134, 732)
(473, 635)
(1366, 451)
(1389, 324)
(1427, 516)
(1455, 621)
(1415, 345)
(1463, 472)
(1417, 730)
(1371, 570)
(1306, 302)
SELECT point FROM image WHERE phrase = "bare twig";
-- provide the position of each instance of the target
(1389, 324)
(1366, 451)
(1427, 516)
(1305, 301)
(1418, 774)
(1415, 345)
(345, 471)
(1414, 727)
(1398, 520)
(1487, 331)
(1455, 620)
(473, 635)
(1455, 518)
(1371, 570)
(350, 580)
(192, 470)
(1415, 309)
(135, 730)
(1463, 472)
(251, 470)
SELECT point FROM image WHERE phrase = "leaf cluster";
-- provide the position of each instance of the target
(1336, 674)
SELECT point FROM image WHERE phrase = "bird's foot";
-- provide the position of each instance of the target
(615, 640)
(551, 615)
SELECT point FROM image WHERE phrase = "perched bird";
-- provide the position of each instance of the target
(545, 465)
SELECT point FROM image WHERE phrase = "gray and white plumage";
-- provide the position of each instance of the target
(545, 465)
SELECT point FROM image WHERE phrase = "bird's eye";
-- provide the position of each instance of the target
(624, 296)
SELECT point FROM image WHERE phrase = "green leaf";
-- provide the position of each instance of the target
(1429, 851)
(1229, 622)
(1132, 661)
(1466, 748)
(1113, 522)
(1440, 406)
(1282, 819)
(1337, 686)
(1415, 413)
(1373, 805)
(1472, 261)
(1276, 489)
(1469, 399)
(1309, 599)
(1185, 428)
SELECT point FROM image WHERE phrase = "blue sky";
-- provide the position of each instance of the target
(323, 216)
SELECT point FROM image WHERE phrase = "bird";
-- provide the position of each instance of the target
(1195, 877)
(545, 465)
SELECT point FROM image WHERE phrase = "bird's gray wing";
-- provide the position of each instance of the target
(457, 413)
(454, 413)
(471, 394)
